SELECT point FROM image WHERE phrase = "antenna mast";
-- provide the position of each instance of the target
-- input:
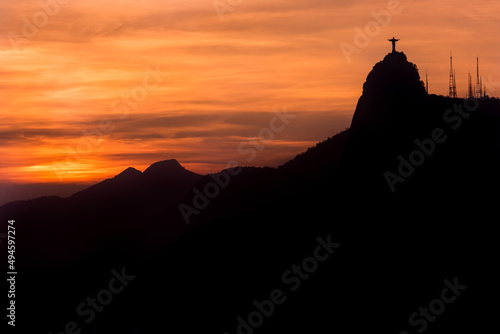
(471, 92)
(452, 90)
(478, 81)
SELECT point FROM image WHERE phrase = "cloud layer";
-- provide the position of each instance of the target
(71, 68)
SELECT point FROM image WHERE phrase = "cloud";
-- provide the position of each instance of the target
(226, 76)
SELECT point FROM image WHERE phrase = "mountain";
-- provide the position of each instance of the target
(442, 143)
(164, 181)
(407, 192)
(392, 83)
(361, 163)
(107, 214)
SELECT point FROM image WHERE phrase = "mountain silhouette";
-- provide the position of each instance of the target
(108, 213)
(395, 112)
(166, 167)
(392, 83)
(165, 181)
(128, 174)
(400, 236)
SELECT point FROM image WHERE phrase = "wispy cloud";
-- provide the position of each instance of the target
(226, 77)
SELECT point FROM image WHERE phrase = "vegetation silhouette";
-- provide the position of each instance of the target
(397, 247)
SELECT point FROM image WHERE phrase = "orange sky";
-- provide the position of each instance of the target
(225, 77)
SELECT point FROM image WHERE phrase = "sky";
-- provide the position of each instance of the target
(92, 87)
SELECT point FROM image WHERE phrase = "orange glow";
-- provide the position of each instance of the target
(64, 82)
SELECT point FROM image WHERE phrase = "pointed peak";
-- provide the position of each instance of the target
(129, 172)
(130, 169)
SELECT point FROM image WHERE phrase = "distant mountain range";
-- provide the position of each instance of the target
(409, 191)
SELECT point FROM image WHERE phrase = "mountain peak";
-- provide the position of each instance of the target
(169, 166)
(394, 74)
(392, 91)
(128, 173)
(396, 57)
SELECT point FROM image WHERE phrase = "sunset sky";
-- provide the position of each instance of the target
(225, 67)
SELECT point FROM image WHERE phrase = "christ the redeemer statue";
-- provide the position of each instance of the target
(393, 40)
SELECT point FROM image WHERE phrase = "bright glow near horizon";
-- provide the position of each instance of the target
(225, 77)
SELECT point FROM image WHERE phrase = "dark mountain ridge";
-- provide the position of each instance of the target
(397, 247)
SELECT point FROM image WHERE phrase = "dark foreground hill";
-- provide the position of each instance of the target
(381, 219)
